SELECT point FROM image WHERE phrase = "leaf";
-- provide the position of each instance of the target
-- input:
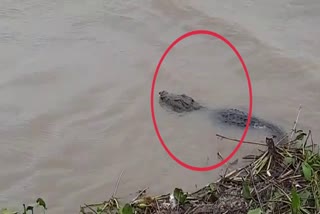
(277, 195)
(212, 187)
(7, 211)
(30, 207)
(126, 209)
(141, 205)
(179, 195)
(99, 209)
(246, 190)
(41, 202)
(288, 160)
(300, 136)
(255, 211)
(304, 196)
(315, 165)
(307, 171)
(295, 201)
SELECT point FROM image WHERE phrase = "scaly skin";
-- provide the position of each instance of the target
(233, 117)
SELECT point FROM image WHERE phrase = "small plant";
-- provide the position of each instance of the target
(295, 201)
(246, 190)
(180, 196)
(27, 208)
(126, 209)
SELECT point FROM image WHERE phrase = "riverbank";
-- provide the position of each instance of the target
(282, 179)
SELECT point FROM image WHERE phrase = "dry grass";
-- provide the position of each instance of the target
(283, 179)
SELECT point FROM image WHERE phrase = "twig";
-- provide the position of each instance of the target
(264, 188)
(158, 208)
(255, 189)
(96, 204)
(189, 209)
(312, 144)
(219, 156)
(281, 139)
(267, 174)
(250, 157)
(107, 203)
(293, 130)
(248, 142)
(295, 123)
(234, 162)
(90, 208)
(117, 185)
(291, 178)
(307, 138)
(225, 172)
(230, 174)
(140, 193)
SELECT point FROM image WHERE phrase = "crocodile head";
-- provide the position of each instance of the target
(178, 102)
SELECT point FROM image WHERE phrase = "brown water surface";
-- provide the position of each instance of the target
(75, 87)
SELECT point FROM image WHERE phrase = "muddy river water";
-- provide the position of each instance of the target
(75, 81)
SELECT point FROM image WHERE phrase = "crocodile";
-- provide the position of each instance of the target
(181, 103)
